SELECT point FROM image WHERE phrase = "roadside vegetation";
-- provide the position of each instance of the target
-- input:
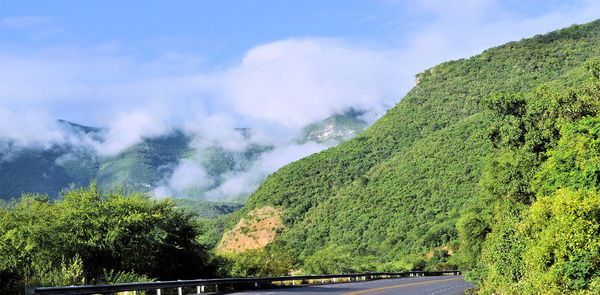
(540, 208)
(92, 236)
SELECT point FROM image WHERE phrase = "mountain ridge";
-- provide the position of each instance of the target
(425, 154)
(145, 166)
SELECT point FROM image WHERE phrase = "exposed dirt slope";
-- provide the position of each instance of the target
(257, 229)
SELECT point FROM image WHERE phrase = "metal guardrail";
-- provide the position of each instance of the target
(202, 285)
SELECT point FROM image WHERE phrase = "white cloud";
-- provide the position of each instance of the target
(130, 128)
(215, 130)
(295, 82)
(36, 129)
(282, 86)
(31, 128)
(246, 182)
(188, 174)
(277, 87)
(460, 29)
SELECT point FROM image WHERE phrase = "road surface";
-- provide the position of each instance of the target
(439, 285)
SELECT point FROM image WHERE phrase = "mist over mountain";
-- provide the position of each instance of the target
(442, 180)
(179, 163)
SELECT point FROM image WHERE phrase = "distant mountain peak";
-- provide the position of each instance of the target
(336, 128)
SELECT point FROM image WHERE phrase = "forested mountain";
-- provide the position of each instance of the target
(207, 209)
(47, 170)
(149, 164)
(391, 197)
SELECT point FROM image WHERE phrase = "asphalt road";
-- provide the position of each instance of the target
(442, 285)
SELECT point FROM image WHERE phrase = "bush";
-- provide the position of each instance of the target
(564, 241)
(91, 233)
(330, 260)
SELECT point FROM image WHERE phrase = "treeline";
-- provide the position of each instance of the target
(207, 209)
(92, 236)
(95, 236)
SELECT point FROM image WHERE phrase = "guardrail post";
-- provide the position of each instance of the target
(179, 291)
(217, 288)
(255, 284)
(157, 291)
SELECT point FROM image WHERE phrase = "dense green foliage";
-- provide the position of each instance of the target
(207, 209)
(547, 242)
(275, 259)
(92, 236)
(396, 192)
(34, 171)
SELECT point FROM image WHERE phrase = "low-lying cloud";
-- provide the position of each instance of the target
(296, 82)
(36, 130)
(245, 182)
(276, 88)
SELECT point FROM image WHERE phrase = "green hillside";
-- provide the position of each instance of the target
(140, 165)
(38, 172)
(47, 171)
(393, 194)
(206, 209)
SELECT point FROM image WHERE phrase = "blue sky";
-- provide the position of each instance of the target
(222, 31)
(142, 68)
(215, 30)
